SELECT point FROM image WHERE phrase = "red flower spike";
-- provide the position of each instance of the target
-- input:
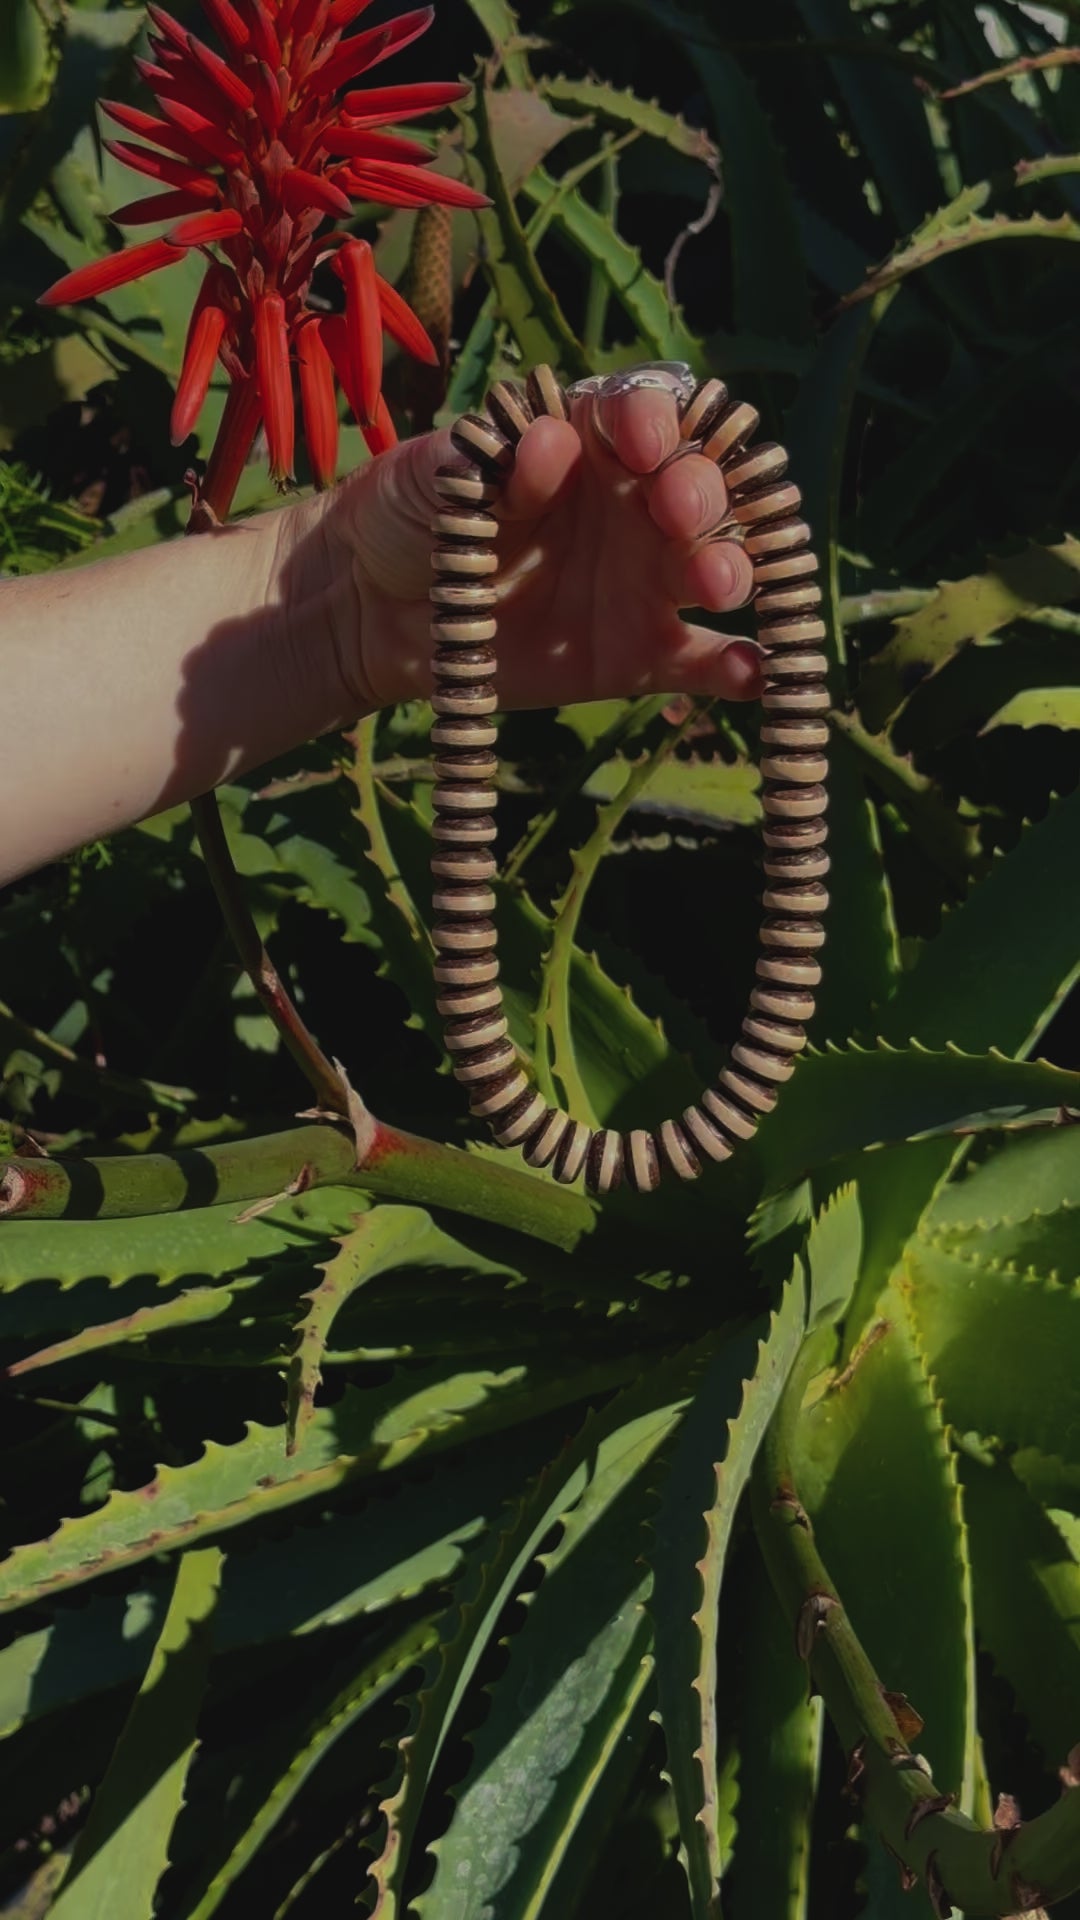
(257, 153)
(163, 167)
(364, 145)
(344, 12)
(134, 120)
(310, 17)
(336, 341)
(264, 40)
(227, 23)
(319, 403)
(232, 448)
(115, 270)
(203, 137)
(403, 326)
(205, 335)
(355, 265)
(365, 50)
(220, 74)
(157, 206)
(275, 384)
(383, 435)
(170, 30)
(202, 229)
(385, 106)
(301, 190)
(400, 186)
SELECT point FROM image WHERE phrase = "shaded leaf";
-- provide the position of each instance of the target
(122, 1852)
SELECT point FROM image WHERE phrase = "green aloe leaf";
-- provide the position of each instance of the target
(834, 1249)
(709, 1470)
(581, 1662)
(707, 792)
(228, 1486)
(397, 1545)
(962, 613)
(1005, 959)
(844, 1100)
(123, 1850)
(887, 115)
(72, 1273)
(525, 298)
(385, 1239)
(1022, 1183)
(771, 292)
(376, 1678)
(876, 1473)
(961, 224)
(619, 107)
(1027, 1603)
(661, 327)
(639, 1419)
(500, 23)
(554, 1049)
(779, 1748)
(1039, 707)
(974, 1316)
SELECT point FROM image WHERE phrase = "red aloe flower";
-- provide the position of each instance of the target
(253, 152)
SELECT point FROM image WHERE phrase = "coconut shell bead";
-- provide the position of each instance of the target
(604, 1162)
(641, 1161)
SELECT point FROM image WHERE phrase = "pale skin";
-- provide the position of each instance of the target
(136, 683)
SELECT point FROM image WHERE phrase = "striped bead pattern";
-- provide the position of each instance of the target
(764, 509)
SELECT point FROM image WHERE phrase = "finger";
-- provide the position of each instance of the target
(642, 427)
(548, 458)
(716, 574)
(709, 663)
(688, 498)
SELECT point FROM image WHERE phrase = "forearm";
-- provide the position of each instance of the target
(142, 681)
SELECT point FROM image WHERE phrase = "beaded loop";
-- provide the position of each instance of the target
(764, 508)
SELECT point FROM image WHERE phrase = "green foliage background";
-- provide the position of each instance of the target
(413, 1535)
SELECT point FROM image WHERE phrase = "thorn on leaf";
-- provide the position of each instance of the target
(939, 1899)
(813, 1614)
(930, 1803)
(856, 1767)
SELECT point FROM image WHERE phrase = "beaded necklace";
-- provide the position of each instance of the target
(764, 509)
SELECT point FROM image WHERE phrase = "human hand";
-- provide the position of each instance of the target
(600, 550)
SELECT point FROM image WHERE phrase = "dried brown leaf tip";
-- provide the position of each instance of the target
(856, 1767)
(908, 1877)
(1028, 1898)
(1008, 1823)
(909, 1722)
(813, 1614)
(1070, 1772)
(938, 1897)
(930, 1803)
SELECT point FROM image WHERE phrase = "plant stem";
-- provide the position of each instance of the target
(273, 995)
(401, 1166)
(235, 437)
(982, 1872)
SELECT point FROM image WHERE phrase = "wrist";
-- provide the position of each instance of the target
(313, 615)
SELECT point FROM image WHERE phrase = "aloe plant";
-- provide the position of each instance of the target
(384, 1523)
